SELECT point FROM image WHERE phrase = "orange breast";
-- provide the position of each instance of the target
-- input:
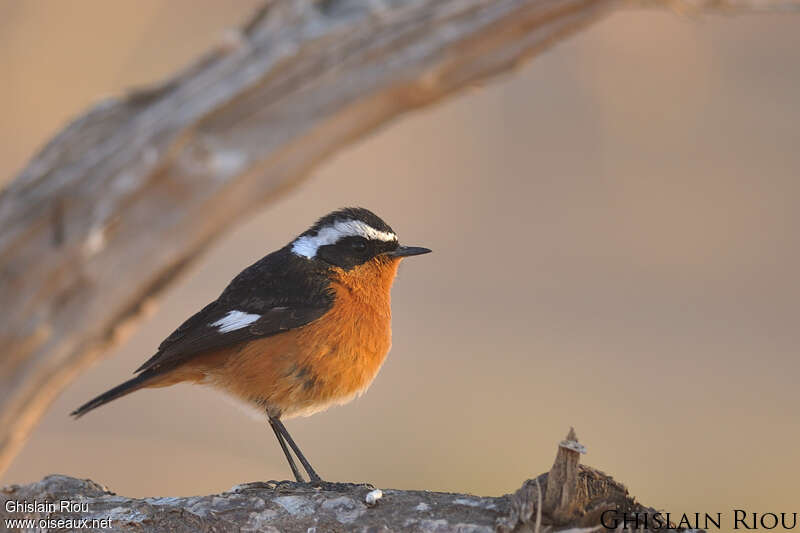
(326, 362)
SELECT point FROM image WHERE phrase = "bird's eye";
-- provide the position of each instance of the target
(358, 245)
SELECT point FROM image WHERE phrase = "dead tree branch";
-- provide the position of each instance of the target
(573, 496)
(138, 186)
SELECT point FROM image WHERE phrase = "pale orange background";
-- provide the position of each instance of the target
(616, 248)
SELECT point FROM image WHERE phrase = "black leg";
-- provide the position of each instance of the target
(309, 469)
(292, 465)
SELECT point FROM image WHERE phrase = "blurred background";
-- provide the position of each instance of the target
(616, 248)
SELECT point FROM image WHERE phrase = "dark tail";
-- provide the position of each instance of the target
(119, 391)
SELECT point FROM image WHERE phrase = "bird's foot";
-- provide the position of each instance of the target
(273, 485)
(335, 486)
(295, 486)
(290, 486)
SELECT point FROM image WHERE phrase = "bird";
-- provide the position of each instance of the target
(306, 327)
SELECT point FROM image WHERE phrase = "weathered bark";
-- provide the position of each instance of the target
(572, 500)
(135, 188)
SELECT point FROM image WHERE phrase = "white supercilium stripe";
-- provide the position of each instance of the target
(308, 245)
(235, 320)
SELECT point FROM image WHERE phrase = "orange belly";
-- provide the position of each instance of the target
(327, 362)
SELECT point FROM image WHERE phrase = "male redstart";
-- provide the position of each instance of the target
(305, 327)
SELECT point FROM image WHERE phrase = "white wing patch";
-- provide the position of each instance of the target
(234, 320)
(308, 245)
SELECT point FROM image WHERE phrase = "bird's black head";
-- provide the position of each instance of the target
(350, 237)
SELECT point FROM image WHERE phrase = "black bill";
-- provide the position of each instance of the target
(406, 251)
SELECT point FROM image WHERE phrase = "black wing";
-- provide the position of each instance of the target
(276, 294)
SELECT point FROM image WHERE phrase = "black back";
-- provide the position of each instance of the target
(287, 292)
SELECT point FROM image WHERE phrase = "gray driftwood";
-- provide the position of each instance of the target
(138, 186)
(569, 496)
